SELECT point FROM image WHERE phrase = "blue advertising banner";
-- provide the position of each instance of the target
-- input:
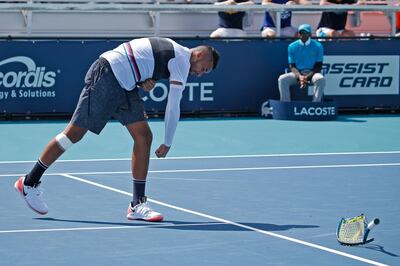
(46, 76)
(305, 111)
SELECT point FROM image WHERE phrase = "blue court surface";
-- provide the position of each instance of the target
(233, 192)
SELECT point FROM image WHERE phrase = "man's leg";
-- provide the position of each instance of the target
(218, 33)
(142, 136)
(54, 150)
(27, 185)
(319, 85)
(348, 33)
(268, 32)
(284, 83)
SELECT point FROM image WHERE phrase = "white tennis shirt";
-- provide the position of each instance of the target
(121, 64)
(129, 70)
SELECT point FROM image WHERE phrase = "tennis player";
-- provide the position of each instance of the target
(111, 91)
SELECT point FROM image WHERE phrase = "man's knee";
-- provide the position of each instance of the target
(69, 137)
(148, 137)
(319, 79)
(144, 137)
(285, 80)
(268, 33)
(63, 141)
(282, 78)
(74, 133)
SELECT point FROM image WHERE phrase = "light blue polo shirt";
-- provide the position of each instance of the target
(305, 56)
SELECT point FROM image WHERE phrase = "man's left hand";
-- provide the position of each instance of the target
(303, 81)
(162, 151)
(148, 84)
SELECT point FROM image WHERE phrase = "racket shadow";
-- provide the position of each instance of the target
(379, 248)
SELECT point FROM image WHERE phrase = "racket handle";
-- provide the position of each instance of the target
(374, 222)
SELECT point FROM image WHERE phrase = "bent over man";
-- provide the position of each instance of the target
(111, 91)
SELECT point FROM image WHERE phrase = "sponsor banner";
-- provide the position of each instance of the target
(47, 76)
(202, 92)
(24, 79)
(307, 111)
(361, 75)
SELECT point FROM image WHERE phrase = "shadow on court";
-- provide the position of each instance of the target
(380, 249)
(179, 225)
(230, 227)
(350, 119)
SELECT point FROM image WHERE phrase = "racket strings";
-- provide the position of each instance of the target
(352, 230)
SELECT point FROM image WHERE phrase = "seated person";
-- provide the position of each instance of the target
(268, 29)
(305, 61)
(230, 22)
(333, 24)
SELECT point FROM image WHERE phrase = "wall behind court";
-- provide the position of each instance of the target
(46, 76)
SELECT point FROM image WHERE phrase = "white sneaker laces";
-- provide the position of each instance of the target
(143, 209)
(35, 190)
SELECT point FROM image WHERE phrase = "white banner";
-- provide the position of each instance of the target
(361, 75)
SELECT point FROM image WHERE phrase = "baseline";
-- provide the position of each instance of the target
(219, 156)
(102, 228)
(227, 169)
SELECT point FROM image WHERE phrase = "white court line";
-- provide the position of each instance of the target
(226, 169)
(103, 228)
(337, 252)
(186, 179)
(222, 156)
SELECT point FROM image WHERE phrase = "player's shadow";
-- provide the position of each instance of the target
(217, 226)
(193, 226)
(380, 249)
(103, 223)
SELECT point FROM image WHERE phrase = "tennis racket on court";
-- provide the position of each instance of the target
(354, 231)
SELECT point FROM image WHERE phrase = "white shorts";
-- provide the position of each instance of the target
(285, 32)
(323, 32)
(227, 32)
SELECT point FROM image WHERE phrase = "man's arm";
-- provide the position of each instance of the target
(246, 3)
(302, 79)
(227, 2)
(318, 62)
(302, 2)
(147, 85)
(327, 2)
(233, 2)
(294, 70)
(172, 114)
(317, 69)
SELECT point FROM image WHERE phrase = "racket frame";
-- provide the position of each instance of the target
(366, 231)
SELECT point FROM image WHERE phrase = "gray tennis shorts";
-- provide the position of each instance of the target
(102, 99)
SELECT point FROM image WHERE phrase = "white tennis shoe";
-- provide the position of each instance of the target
(32, 196)
(143, 211)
